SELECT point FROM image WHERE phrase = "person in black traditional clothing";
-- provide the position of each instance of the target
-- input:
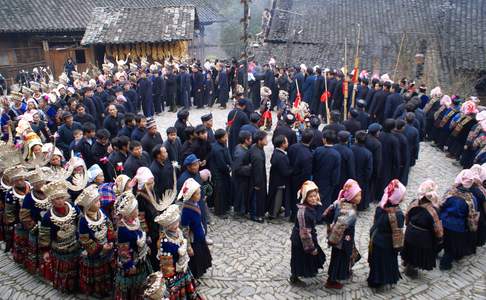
(144, 91)
(280, 177)
(461, 125)
(162, 169)
(152, 137)
(220, 169)
(173, 145)
(364, 168)
(181, 124)
(252, 127)
(386, 237)
(222, 84)
(241, 174)
(139, 131)
(284, 127)
(444, 125)
(335, 124)
(317, 134)
(207, 121)
(390, 155)
(136, 159)
(120, 153)
(377, 108)
(459, 216)
(430, 108)
(393, 100)
(258, 177)
(100, 154)
(348, 165)
(326, 168)
(128, 125)
(341, 216)
(479, 192)
(236, 119)
(363, 116)
(197, 89)
(201, 147)
(352, 124)
(413, 138)
(404, 149)
(307, 256)
(424, 233)
(171, 89)
(300, 159)
(157, 88)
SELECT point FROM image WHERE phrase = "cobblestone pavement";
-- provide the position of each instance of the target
(251, 260)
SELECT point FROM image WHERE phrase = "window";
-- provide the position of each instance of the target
(80, 56)
(4, 58)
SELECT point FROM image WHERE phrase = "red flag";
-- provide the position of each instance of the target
(325, 96)
(355, 75)
(297, 99)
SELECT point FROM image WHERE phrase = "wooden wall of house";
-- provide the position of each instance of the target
(26, 51)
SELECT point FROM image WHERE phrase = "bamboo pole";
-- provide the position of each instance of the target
(398, 57)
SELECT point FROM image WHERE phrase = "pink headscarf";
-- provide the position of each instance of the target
(446, 100)
(142, 177)
(479, 172)
(205, 175)
(349, 191)
(469, 107)
(466, 178)
(428, 189)
(436, 92)
(393, 193)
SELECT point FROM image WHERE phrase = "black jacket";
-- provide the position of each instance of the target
(149, 142)
(132, 164)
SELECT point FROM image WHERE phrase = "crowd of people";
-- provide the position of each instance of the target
(94, 200)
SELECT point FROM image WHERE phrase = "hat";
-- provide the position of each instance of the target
(305, 189)
(188, 189)
(121, 182)
(93, 172)
(393, 193)
(374, 128)
(35, 176)
(361, 103)
(15, 172)
(155, 287)
(87, 197)
(190, 159)
(66, 114)
(125, 204)
(349, 191)
(151, 123)
(446, 100)
(56, 189)
(206, 117)
(27, 90)
(436, 92)
(171, 215)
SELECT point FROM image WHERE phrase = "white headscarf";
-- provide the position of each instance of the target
(188, 189)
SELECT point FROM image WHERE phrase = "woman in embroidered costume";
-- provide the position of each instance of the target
(307, 256)
(424, 232)
(34, 207)
(459, 216)
(16, 236)
(133, 266)
(96, 236)
(200, 257)
(341, 216)
(149, 207)
(386, 237)
(58, 240)
(173, 256)
(479, 191)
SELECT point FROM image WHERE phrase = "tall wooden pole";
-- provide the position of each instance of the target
(245, 21)
(345, 80)
(356, 70)
(328, 113)
(398, 57)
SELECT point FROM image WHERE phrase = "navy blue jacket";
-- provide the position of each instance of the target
(326, 172)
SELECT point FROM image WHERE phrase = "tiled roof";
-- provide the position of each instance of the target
(455, 27)
(125, 25)
(74, 15)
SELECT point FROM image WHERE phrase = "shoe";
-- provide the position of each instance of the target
(209, 241)
(333, 285)
(295, 281)
(444, 267)
(411, 272)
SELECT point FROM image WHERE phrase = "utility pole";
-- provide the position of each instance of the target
(246, 37)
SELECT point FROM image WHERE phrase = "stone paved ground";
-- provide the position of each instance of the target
(251, 260)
